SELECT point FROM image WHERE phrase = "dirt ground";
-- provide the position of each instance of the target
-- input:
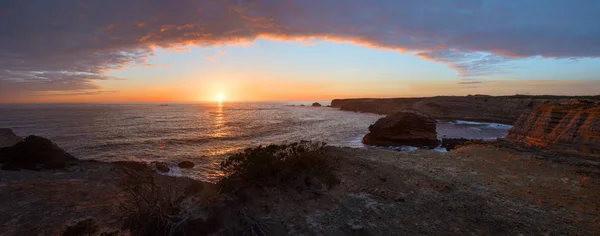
(474, 190)
(478, 189)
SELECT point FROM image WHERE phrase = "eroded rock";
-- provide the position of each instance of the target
(162, 166)
(569, 126)
(408, 128)
(186, 164)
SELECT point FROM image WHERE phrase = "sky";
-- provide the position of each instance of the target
(256, 50)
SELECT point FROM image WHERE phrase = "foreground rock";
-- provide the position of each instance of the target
(407, 128)
(316, 104)
(34, 153)
(496, 109)
(8, 138)
(572, 127)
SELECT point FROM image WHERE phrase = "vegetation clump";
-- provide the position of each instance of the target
(150, 207)
(299, 165)
(84, 227)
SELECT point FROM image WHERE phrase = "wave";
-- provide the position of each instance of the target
(487, 124)
(133, 117)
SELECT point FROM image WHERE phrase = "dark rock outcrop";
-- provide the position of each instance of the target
(186, 164)
(403, 128)
(34, 153)
(496, 109)
(162, 166)
(316, 104)
(8, 138)
(570, 126)
(451, 143)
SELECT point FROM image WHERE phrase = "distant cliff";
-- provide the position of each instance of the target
(570, 126)
(499, 109)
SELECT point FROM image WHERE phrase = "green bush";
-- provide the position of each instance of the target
(300, 165)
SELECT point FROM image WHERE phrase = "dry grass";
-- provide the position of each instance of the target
(149, 208)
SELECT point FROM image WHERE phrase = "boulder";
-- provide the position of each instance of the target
(571, 126)
(316, 104)
(406, 128)
(8, 138)
(186, 164)
(162, 166)
(34, 153)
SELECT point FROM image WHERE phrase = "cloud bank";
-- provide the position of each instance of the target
(69, 44)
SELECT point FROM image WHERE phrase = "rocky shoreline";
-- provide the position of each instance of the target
(482, 108)
(500, 190)
(525, 184)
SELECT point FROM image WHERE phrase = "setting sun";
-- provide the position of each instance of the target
(220, 97)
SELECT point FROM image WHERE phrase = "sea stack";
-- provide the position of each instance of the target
(405, 128)
(569, 126)
(316, 104)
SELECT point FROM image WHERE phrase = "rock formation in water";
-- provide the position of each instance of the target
(8, 138)
(497, 109)
(407, 128)
(34, 153)
(161, 166)
(186, 164)
(316, 104)
(570, 126)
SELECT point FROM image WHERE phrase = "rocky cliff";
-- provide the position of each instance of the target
(569, 126)
(498, 109)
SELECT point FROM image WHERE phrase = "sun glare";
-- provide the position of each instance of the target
(220, 97)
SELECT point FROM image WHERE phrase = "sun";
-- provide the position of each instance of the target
(220, 97)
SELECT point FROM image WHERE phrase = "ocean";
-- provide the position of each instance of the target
(204, 133)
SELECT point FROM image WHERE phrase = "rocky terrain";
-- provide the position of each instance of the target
(497, 109)
(489, 188)
(569, 126)
(406, 128)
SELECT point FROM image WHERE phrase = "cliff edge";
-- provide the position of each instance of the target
(483, 108)
(569, 126)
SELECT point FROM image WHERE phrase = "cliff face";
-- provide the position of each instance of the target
(501, 109)
(570, 126)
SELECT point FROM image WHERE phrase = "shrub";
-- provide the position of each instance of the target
(81, 228)
(149, 208)
(301, 164)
